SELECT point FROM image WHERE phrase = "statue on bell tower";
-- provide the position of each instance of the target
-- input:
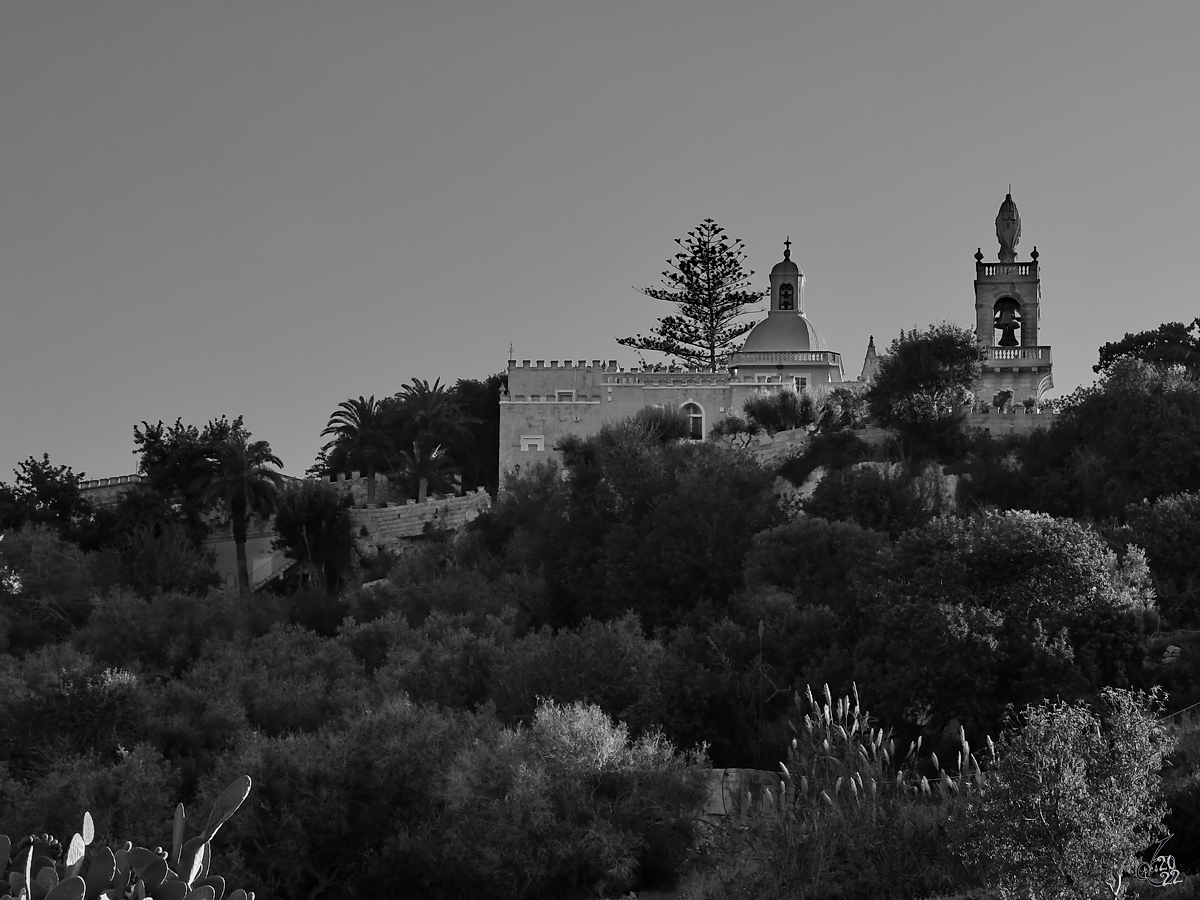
(1008, 229)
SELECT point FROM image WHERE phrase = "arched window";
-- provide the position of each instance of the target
(1007, 321)
(786, 300)
(695, 421)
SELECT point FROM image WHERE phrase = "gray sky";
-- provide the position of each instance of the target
(264, 208)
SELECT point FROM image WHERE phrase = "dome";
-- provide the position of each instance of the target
(785, 266)
(783, 331)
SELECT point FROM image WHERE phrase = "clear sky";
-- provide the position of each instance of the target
(265, 207)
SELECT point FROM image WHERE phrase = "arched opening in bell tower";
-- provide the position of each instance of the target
(1006, 322)
(787, 299)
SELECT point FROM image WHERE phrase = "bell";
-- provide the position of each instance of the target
(1007, 322)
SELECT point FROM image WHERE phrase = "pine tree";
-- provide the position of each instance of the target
(709, 283)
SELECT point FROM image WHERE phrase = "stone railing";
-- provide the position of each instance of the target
(1010, 353)
(786, 357)
(665, 378)
(607, 365)
(93, 483)
(992, 270)
(107, 491)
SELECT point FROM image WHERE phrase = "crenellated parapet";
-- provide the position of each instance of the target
(397, 521)
(107, 491)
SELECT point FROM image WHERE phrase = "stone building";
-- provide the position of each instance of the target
(547, 402)
(1008, 311)
(1008, 314)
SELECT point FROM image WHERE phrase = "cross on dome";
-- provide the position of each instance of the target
(787, 247)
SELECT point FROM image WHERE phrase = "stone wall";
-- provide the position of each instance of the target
(107, 491)
(774, 449)
(741, 792)
(999, 424)
(355, 484)
(546, 403)
(390, 525)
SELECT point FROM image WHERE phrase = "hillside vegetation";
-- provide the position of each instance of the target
(528, 708)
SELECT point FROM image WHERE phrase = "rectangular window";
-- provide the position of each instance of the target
(533, 442)
(565, 396)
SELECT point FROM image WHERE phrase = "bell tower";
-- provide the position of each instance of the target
(1008, 297)
(787, 284)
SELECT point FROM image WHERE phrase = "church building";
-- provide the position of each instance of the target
(547, 402)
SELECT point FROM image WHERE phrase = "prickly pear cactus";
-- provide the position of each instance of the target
(38, 867)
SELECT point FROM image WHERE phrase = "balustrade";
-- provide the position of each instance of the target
(997, 353)
(991, 270)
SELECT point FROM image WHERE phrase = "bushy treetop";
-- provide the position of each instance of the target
(1171, 344)
(927, 377)
(1021, 563)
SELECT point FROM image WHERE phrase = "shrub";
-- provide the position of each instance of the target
(727, 682)
(287, 680)
(55, 582)
(835, 451)
(353, 810)
(969, 615)
(164, 633)
(163, 557)
(444, 577)
(816, 561)
(843, 407)
(571, 804)
(1133, 436)
(884, 497)
(92, 711)
(663, 423)
(313, 608)
(739, 432)
(607, 663)
(923, 385)
(786, 409)
(1169, 530)
(1065, 800)
(1073, 799)
(444, 662)
(854, 820)
(780, 410)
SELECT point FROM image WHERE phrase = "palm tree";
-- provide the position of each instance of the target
(428, 469)
(240, 479)
(361, 429)
(432, 414)
(431, 419)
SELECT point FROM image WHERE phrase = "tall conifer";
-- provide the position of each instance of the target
(709, 284)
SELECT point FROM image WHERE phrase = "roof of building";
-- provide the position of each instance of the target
(785, 265)
(783, 330)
